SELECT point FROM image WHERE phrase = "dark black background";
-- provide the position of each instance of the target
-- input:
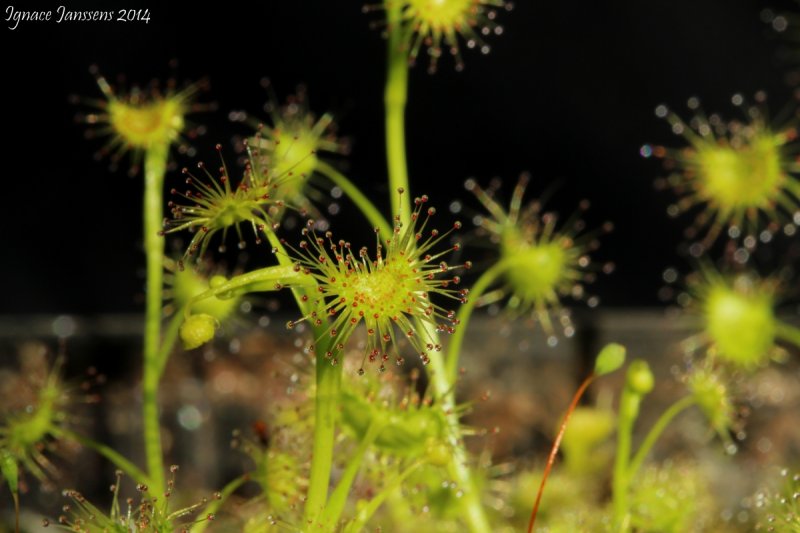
(567, 93)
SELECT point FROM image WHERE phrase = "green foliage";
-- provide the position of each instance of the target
(710, 392)
(583, 442)
(402, 458)
(10, 470)
(779, 509)
(671, 498)
(25, 434)
(150, 515)
(408, 432)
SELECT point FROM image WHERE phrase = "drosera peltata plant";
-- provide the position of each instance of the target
(541, 259)
(738, 313)
(389, 292)
(360, 449)
(738, 176)
(210, 205)
(294, 142)
(149, 122)
(439, 25)
(142, 119)
(740, 179)
(148, 514)
(779, 506)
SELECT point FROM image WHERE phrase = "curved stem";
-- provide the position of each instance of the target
(155, 166)
(556, 444)
(267, 279)
(655, 432)
(367, 208)
(395, 97)
(168, 342)
(286, 262)
(264, 279)
(465, 313)
(261, 280)
(109, 453)
(333, 510)
(374, 504)
(214, 505)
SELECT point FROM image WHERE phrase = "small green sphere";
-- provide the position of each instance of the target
(197, 330)
(640, 378)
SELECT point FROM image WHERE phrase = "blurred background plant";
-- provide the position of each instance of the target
(343, 453)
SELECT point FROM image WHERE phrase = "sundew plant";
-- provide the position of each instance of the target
(367, 424)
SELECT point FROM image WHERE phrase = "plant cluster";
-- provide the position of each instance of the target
(377, 438)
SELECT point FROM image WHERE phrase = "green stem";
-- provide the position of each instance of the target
(655, 432)
(155, 166)
(395, 97)
(168, 342)
(299, 292)
(445, 395)
(109, 453)
(215, 504)
(627, 416)
(267, 279)
(369, 509)
(326, 411)
(788, 333)
(326, 402)
(338, 499)
(261, 280)
(638, 383)
(354, 193)
(465, 313)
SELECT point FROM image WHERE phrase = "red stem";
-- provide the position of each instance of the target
(556, 443)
